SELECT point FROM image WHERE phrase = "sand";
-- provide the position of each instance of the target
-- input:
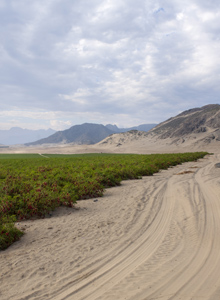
(155, 238)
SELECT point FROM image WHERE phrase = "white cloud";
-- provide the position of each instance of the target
(60, 125)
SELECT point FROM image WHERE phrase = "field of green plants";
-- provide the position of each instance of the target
(32, 185)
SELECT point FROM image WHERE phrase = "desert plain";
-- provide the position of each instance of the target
(148, 239)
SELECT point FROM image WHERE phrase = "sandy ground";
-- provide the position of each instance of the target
(155, 238)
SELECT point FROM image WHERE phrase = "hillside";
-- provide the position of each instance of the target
(193, 121)
(197, 128)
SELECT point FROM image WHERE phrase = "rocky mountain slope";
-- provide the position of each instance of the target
(193, 121)
(192, 129)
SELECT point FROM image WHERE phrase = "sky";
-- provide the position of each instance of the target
(123, 62)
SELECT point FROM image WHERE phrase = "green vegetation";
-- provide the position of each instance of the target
(32, 185)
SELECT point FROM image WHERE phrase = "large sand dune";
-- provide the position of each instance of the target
(155, 238)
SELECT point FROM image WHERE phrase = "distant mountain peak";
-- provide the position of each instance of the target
(18, 135)
(143, 127)
(87, 133)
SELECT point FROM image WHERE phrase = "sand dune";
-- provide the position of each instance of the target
(155, 238)
(127, 142)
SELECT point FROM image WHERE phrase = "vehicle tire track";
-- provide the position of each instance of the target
(176, 256)
(128, 260)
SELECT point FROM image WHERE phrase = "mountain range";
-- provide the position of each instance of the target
(86, 133)
(192, 127)
(17, 135)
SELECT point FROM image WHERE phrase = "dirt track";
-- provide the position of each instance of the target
(155, 238)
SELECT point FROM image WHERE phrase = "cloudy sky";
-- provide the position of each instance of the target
(124, 62)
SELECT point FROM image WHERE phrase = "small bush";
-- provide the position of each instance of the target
(8, 232)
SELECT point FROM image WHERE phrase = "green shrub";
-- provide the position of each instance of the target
(8, 232)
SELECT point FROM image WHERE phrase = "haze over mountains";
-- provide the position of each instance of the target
(17, 135)
(143, 127)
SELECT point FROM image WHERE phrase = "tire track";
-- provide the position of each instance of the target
(198, 276)
(130, 258)
(176, 257)
(133, 256)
